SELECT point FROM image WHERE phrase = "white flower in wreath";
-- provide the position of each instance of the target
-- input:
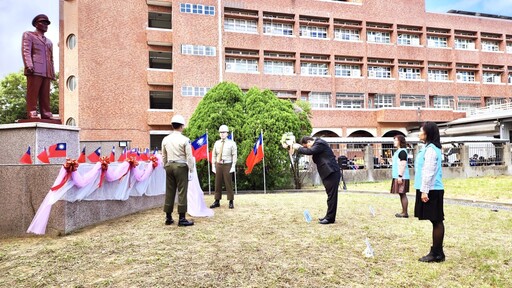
(287, 140)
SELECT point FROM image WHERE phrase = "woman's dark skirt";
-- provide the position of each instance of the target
(397, 188)
(433, 209)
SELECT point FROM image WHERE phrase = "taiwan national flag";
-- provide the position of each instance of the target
(112, 157)
(199, 147)
(255, 156)
(43, 157)
(26, 159)
(145, 155)
(95, 156)
(57, 150)
(81, 158)
(123, 155)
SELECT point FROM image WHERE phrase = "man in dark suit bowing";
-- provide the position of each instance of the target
(327, 168)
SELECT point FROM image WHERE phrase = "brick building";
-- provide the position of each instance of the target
(368, 68)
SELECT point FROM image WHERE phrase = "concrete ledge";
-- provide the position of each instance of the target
(23, 188)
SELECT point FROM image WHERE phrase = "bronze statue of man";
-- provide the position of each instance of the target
(37, 52)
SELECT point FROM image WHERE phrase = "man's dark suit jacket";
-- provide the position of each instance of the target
(322, 156)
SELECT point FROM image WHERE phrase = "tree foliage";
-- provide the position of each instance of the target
(13, 90)
(247, 114)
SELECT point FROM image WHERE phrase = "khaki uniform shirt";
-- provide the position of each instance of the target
(176, 147)
(229, 152)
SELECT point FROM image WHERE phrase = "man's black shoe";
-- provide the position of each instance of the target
(325, 221)
(215, 204)
(185, 222)
(169, 221)
(231, 206)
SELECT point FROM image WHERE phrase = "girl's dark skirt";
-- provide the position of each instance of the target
(397, 188)
(433, 209)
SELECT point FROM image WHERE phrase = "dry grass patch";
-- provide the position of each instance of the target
(265, 242)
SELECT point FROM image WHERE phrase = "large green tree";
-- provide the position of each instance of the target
(13, 89)
(247, 114)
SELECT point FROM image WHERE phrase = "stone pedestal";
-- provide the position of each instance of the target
(16, 138)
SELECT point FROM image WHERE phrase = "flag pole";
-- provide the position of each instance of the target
(233, 139)
(263, 150)
(208, 163)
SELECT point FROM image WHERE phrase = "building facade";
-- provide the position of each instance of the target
(368, 68)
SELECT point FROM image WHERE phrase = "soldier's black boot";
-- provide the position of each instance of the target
(168, 219)
(183, 221)
(215, 204)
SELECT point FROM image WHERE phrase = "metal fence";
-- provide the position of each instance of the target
(485, 154)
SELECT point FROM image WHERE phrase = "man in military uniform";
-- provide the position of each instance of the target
(223, 164)
(37, 52)
(179, 163)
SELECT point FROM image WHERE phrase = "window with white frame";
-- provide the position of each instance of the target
(314, 69)
(406, 73)
(509, 47)
(465, 44)
(240, 25)
(437, 41)
(442, 102)
(408, 39)
(437, 75)
(197, 9)
(241, 65)
(465, 76)
(491, 77)
(509, 78)
(198, 50)
(407, 100)
(378, 36)
(490, 46)
(345, 34)
(313, 31)
(384, 100)
(349, 100)
(466, 103)
(278, 67)
(346, 70)
(494, 101)
(194, 91)
(319, 99)
(278, 29)
(379, 72)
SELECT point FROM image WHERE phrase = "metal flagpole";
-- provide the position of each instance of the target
(208, 163)
(233, 139)
(263, 150)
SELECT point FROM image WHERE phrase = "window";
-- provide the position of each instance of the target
(437, 75)
(490, 46)
(465, 44)
(314, 69)
(442, 102)
(350, 100)
(491, 77)
(313, 31)
(346, 70)
(160, 99)
(347, 34)
(194, 91)
(437, 41)
(71, 41)
(197, 9)
(408, 39)
(159, 20)
(241, 65)
(71, 83)
(378, 37)
(465, 76)
(278, 29)
(509, 47)
(160, 60)
(494, 101)
(197, 50)
(379, 72)
(384, 100)
(240, 25)
(409, 73)
(278, 67)
(319, 99)
(412, 100)
(467, 103)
